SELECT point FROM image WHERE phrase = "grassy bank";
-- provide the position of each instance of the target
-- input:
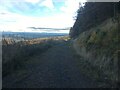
(99, 48)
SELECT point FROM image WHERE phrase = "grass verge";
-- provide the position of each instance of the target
(14, 55)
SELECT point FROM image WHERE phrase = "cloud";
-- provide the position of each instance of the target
(36, 28)
(15, 21)
(22, 22)
(47, 3)
(71, 6)
(33, 1)
(28, 7)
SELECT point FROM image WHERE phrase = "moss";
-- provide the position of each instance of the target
(92, 37)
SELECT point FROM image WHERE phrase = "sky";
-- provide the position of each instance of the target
(19, 15)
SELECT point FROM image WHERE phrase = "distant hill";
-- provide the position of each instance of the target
(30, 35)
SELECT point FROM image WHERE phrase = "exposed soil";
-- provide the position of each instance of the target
(55, 68)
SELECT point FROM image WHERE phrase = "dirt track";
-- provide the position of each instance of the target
(55, 68)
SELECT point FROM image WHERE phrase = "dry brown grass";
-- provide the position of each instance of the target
(14, 54)
(98, 47)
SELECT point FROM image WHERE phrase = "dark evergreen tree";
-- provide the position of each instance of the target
(92, 14)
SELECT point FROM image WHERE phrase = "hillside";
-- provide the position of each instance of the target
(48, 64)
(87, 58)
(98, 42)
